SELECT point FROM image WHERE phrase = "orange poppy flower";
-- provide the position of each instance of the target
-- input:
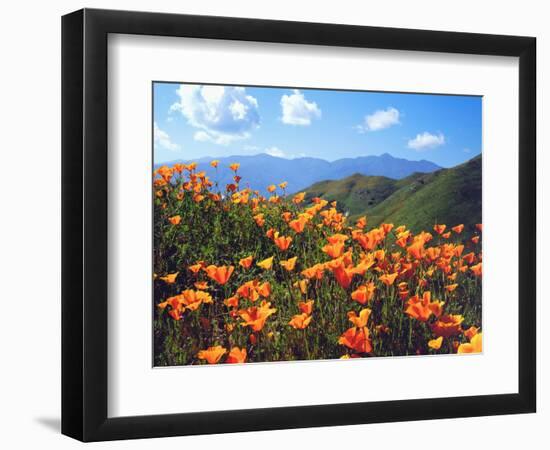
(364, 293)
(369, 240)
(195, 267)
(300, 321)
(220, 274)
(283, 185)
(479, 226)
(286, 216)
(448, 325)
(253, 290)
(388, 279)
(178, 167)
(362, 267)
(446, 235)
(212, 354)
(361, 222)
(315, 271)
(271, 188)
(400, 229)
(458, 250)
(475, 239)
(306, 307)
(302, 285)
(266, 264)
(477, 269)
(298, 225)
(416, 249)
(289, 264)
(432, 253)
(203, 285)
(232, 302)
(357, 339)
(387, 227)
(436, 343)
(298, 198)
(343, 275)
(402, 241)
(423, 309)
(174, 301)
(234, 167)
(259, 218)
(193, 299)
(256, 316)
(474, 346)
(451, 287)
(174, 220)
(236, 356)
(214, 163)
(165, 172)
(439, 229)
(283, 242)
(403, 293)
(458, 228)
(246, 262)
(337, 238)
(360, 320)
(471, 332)
(170, 278)
(469, 257)
(334, 250)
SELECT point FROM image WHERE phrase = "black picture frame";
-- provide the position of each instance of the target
(84, 224)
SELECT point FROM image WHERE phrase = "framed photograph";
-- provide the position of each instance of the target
(273, 224)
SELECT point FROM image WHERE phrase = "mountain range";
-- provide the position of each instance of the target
(450, 196)
(262, 170)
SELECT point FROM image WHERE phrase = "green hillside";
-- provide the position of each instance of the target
(450, 196)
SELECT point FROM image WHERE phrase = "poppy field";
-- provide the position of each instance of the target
(242, 277)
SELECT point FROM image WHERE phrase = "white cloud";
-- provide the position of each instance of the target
(378, 120)
(275, 151)
(222, 114)
(426, 140)
(202, 136)
(278, 153)
(238, 110)
(297, 110)
(162, 139)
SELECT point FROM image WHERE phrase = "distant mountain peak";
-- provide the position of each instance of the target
(261, 170)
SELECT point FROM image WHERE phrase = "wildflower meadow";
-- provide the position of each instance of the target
(242, 276)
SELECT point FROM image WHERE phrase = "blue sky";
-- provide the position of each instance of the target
(194, 121)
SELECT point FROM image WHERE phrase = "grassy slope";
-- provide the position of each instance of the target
(448, 196)
(354, 193)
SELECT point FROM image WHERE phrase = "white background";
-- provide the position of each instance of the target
(30, 236)
(135, 61)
